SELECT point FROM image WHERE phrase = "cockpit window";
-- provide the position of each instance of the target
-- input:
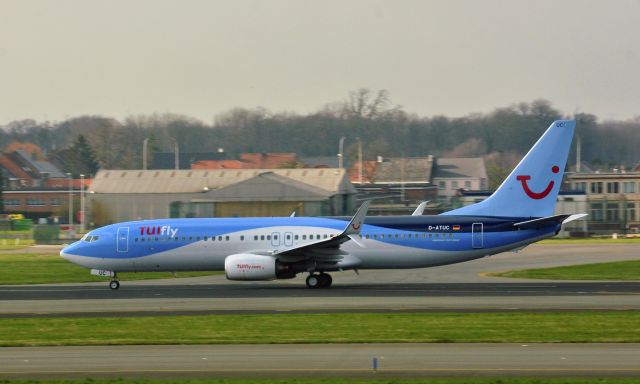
(89, 239)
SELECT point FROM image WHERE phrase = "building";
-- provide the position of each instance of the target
(250, 161)
(398, 185)
(121, 195)
(613, 200)
(454, 174)
(35, 187)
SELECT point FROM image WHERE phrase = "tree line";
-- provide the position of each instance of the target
(82, 144)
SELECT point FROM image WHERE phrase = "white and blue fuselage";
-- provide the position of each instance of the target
(383, 242)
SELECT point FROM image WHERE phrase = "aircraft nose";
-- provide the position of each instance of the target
(62, 253)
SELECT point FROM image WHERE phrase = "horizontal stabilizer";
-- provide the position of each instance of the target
(545, 221)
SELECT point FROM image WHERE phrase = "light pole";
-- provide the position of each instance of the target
(341, 154)
(359, 161)
(70, 204)
(82, 203)
(176, 153)
(144, 153)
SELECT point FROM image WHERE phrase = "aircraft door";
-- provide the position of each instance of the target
(476, 235)
(275, 239)
(123, 239)
(288, 239)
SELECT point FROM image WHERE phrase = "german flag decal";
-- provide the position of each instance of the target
(456, 227)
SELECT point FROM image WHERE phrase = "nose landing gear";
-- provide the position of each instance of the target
(114, 284)
(322, 280)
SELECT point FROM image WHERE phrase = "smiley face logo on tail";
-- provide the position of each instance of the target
(537, 195)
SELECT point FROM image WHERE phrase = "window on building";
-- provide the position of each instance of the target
(629, 187)
(467, 184)
(580, 186)
(12, 202)
(596, 187)
(596, 212)
(454, 184)
(612, 212)
(442, 185)
(35, 202)
(612, 187)
(631, 211)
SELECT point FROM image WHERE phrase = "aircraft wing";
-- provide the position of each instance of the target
(328, 250)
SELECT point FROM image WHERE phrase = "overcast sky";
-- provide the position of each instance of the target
(70, 57)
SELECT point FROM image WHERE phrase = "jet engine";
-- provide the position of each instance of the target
(247, 266)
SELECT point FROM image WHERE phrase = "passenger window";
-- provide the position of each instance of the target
(366, 236)
(375, 236)
(198, 238)
(326, 236)
(205, 238)
(255, 237)
(268, 237)
(219, 238)
(295, 237)
(262, 237)
(142, 239)
(241, 238)
(136, 239)
(226, 238)
(304, 237)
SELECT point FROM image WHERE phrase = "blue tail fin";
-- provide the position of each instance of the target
(532, 187)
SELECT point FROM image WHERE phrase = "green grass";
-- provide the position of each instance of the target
(325, 328)
(618, 270)
(32, 268)
(579, 241)
(333, 380)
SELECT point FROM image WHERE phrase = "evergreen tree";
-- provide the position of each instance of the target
(86, 157)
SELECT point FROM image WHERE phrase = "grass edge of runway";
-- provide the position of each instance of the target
(337, 380)
(48, 268)
(616, 270)
(439, 327)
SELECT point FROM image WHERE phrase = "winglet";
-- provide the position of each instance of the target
(420, 209)
(574, 217)
(356, 222)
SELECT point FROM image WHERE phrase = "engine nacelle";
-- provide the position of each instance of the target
(246, 266)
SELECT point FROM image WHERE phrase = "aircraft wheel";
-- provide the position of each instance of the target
(114, 284)
(313, 281)
(325, 280)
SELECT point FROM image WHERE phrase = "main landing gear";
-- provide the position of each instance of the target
(114, 284)
(322, 280)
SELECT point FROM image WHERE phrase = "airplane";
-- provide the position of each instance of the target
(518, 213)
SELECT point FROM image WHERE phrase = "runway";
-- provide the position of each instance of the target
(322, 360)
(457, 287)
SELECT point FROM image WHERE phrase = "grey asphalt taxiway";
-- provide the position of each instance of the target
(464, 286)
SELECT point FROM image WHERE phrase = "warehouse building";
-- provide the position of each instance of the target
(122, 195)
